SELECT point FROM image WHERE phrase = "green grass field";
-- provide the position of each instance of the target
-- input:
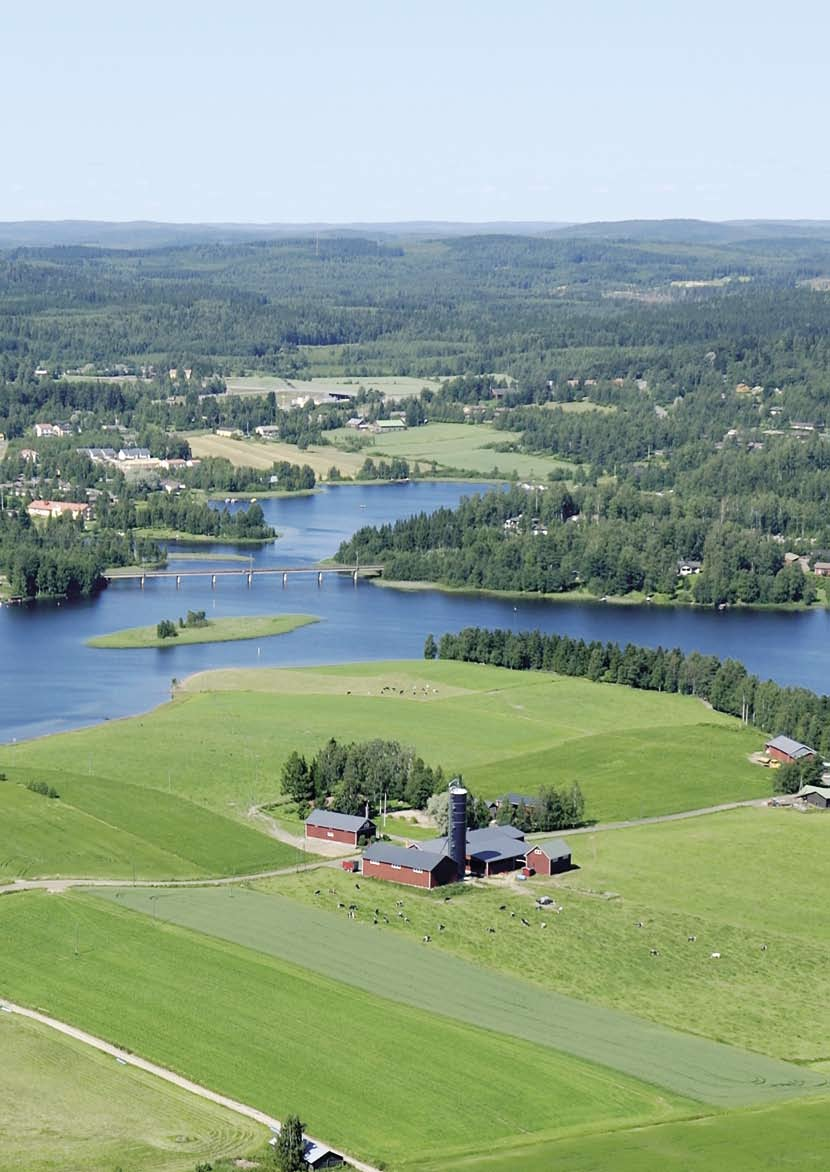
(776, 1139)
(106, 827)
(735, 881)
(402, 968)
(373, 1076)
(215, 631)
(222, 742)
(455, 446)
(67, 1106)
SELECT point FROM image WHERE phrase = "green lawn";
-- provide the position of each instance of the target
(67, 1106)
(456, 446)
(367, 1074)
(736, 881)
(222, 742)
(106, 826)
(214, 631)
(398, 966)
(776, 1139)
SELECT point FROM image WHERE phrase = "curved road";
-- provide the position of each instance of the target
(129, 1059)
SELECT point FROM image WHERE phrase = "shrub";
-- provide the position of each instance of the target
(40, 787)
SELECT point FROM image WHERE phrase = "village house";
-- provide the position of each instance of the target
(687, 566)
(49, 509)
(131, 455)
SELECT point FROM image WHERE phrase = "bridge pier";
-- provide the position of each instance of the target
(213, 581)
(141, 582)
(354, 577)
(320, 578)
(178, 581)
(284, 581)
(250, 577)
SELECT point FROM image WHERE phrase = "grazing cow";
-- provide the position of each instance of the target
(406, 919)
(447, 898)
(691, 939)
(639, 924)
(763, 948)
(317, 892)
(357, 885)
(525, 922)
(543, 924)
(653, 952)
(427, 939)
(493, 930)
(502, 907)
(714, 956)
(341, 905)
(440, 927)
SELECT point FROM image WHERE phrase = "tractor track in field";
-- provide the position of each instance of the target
(129, 1059)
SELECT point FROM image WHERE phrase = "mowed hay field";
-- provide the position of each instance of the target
(107, 827)
(67, 1106)
(368, 1075)
(401, 966)
(250, 453)
(792, 1138)
(457, 446)
(736, 881)
(221, 744)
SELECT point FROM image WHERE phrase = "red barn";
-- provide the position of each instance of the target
(402, 864)
(788, 751)
(549, 857)
(334, 827)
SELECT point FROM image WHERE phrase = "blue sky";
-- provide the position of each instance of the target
(461, 110)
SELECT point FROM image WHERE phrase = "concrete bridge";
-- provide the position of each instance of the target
(247, 572)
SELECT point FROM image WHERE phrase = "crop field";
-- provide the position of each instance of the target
(249, 453)
(214, 631)
(776, 1139)
(368, 1075)
(105, 826)
(363, 955)
(67, 1106)
(222, 742)
(393, 386)
(464, 446)
(734, 881)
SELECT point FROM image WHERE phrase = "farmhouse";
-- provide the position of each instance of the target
(822, 569)
(334, 827)
(515, 801)
(787, 751)
(549, 857)
(687, 566)
(815, 795)
(381, 425)
(133, 454)
(400, 864)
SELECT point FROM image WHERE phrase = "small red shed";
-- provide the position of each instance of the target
(549, 857)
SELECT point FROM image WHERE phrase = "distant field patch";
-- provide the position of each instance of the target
(374, 1076)
(262, 454)
(66, 1106)
(392, 386)
(214, 631)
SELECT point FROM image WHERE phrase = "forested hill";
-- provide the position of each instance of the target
(527, 305)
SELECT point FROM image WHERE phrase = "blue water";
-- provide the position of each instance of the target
(50, 681)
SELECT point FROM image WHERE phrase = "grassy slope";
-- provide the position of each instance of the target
(364, 956)
(226, 746)
(376, 1077)
(67, 1106)
(735, 880)
(777, 1139)
(106, 827)
(456, 445)
(215, 631)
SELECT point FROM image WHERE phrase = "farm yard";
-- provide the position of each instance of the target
(220, 745)
(67, 1106)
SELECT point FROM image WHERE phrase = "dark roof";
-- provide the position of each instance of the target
(400, 856)
(520, 800)
(554, 848)
(493, 845)
(331, 820)
(792, 748)
(511, 831)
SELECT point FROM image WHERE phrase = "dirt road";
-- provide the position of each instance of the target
(129, 1059)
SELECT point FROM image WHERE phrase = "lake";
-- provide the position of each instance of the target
(50, 681)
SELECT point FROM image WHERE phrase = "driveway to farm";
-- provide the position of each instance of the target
(128, 1059)
(659, 818)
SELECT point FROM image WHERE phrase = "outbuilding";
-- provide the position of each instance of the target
(549, 857)
(400, 864)
(788, 751)
(815, 795)
(334, 827)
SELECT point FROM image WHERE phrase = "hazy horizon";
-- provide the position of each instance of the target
(468, 112)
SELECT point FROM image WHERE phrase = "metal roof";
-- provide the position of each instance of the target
(331, 820)
(400, 856)
(520, 800)
(822, 790)
(510, 831)
(554, 848)
(789, 746)
(493, 845)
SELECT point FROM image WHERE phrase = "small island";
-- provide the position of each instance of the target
(205, 631)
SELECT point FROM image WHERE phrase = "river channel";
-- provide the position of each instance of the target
(50, 681)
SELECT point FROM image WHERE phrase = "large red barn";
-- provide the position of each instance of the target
(401, 864)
